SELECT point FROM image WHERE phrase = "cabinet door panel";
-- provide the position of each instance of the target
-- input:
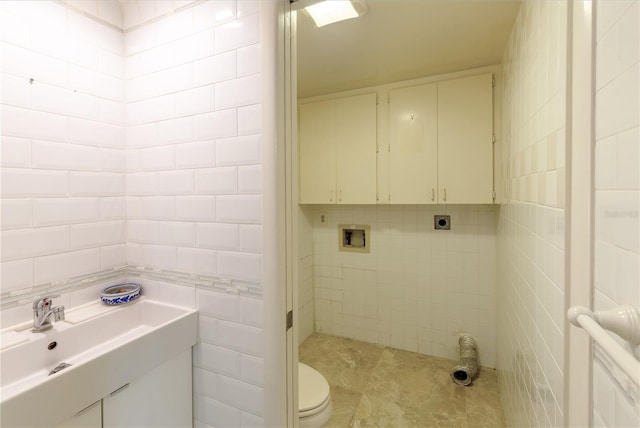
(413, 133)
(356, 149)
(465, 140)
(160, 398)
(317, 156)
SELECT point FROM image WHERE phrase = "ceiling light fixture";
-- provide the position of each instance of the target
(330, 11)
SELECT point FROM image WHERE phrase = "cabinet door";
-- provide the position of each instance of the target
(317, 152)
(356, 149)
(91, 417)
(465, 140)
(413, 149)
(160, 398)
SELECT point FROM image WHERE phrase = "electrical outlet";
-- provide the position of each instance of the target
(442, 222)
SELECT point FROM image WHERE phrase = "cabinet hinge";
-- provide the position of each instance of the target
(289, 319)
(493, 81)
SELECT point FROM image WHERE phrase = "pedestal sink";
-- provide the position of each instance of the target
(104, 347)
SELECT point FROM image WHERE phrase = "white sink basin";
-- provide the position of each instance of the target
(106, 346)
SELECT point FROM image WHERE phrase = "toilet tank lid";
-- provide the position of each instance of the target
(313, 388)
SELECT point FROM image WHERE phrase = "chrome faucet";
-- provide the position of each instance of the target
(43, 313)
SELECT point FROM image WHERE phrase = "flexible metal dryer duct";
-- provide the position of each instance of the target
(466, 369)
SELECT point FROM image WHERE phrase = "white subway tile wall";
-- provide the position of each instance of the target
(229, 360)
(63, 142)
(194, 183)
(617, 188)
(133, 137)
(306, 302)
(183, 100)
(416, 289)
(530, 346)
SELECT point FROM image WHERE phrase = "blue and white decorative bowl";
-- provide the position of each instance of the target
(120, 294)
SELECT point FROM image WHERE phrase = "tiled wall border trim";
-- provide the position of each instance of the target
(135, 27)
(161, 17)
(15, 298)
(90, 16)
(23, 296)
(225, 285)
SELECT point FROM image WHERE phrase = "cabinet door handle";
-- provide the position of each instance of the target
(123, 387)
(340, 196)
(89, 407)
(433, 194)
(331, 196)
(444, 197)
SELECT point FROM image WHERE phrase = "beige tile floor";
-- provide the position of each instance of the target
(376, 386)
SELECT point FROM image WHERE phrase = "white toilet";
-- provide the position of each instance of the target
(314, 400)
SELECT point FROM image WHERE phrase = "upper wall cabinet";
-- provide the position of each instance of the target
(413, 150)
(337, 151)
(439, 137)
(441, 142)
(465, 140)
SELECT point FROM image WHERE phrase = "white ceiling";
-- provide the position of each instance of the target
(400, 40)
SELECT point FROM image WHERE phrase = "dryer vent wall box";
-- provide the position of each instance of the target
(354, 238)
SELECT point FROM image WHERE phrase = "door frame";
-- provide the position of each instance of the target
(578, 214)
(579, 218)
(278, 204)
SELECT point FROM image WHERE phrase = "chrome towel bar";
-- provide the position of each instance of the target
(623, 321)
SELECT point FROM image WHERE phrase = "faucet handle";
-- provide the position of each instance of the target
(44, 301)
(58, 313)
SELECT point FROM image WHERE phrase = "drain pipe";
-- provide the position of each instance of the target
(466, 369)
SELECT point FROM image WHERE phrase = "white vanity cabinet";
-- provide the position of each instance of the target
(337, 151)
(159, 398)
(441, 142)
(131, 361)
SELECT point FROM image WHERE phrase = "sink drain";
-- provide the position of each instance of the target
(52, 345)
